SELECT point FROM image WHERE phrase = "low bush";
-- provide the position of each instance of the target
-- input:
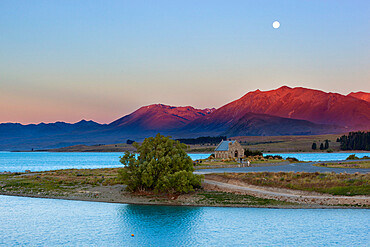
(352, 157)
(292, 159)
(273, 157)
(248, 152)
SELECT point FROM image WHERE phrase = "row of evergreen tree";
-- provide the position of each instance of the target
(323, 146)
(359, 140)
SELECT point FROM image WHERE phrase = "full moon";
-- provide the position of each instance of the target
(276, 24)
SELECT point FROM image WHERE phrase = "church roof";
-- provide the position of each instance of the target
(223, 146)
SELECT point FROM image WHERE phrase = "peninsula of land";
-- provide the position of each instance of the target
(266, 189)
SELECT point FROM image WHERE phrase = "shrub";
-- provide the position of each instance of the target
(352, 157)
(162, 165)
(273, 157)
(248, 152)
(292, 159)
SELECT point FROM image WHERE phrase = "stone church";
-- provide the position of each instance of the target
(229, 149)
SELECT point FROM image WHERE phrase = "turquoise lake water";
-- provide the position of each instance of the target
(49, 222)
(319, 156)
(43, 161)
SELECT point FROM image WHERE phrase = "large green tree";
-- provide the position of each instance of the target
(161, 165)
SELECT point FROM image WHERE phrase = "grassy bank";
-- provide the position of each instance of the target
(58, 181)
(350, 164)
(331, 183)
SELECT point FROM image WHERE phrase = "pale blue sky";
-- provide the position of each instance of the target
(68, 60)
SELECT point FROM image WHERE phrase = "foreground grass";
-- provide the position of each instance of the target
(331, 183)
(353, 164)
(57, 181)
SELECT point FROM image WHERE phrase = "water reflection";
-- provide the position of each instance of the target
(148, 222)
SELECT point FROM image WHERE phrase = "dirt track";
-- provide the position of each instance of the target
(303, 197)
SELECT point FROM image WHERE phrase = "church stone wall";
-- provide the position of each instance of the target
(235, 151)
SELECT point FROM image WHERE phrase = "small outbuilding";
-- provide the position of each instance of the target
(229, 149)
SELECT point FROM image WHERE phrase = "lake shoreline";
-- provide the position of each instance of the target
(174, 204)
(208, 196)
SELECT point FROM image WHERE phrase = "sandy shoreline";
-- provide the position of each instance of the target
(302, 206)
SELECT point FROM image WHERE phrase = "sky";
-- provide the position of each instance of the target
(69, 60)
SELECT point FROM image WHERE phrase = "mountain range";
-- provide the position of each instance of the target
(283, 111)
(159, 117)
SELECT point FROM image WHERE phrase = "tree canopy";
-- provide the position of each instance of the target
(355, 141)
(161, 165)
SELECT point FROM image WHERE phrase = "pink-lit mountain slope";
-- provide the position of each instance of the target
(159, 117)
(361, 95)
(295, 103)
